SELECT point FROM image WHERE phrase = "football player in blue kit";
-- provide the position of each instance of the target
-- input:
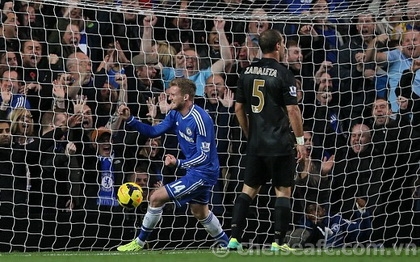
(196, 136)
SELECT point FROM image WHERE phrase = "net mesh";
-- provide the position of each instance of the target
(67, 65)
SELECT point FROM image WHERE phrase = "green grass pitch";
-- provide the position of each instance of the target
(339, 255)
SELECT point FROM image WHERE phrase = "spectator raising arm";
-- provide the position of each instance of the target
(224, 64)
(149, 21)
(371, 51)
(115, 121)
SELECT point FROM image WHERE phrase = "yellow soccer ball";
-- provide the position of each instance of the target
(130, 195)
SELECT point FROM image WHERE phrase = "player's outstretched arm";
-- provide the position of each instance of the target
(145, 129)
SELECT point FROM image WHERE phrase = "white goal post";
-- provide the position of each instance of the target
(65, 66)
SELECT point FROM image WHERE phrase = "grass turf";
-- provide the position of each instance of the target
(353, 255)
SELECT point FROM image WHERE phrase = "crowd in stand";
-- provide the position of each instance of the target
(64, 70)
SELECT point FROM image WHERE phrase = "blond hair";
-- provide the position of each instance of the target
(15, 117)
(166, 53)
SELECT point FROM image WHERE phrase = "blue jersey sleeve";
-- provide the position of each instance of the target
(20, 101)
(337, 228)
(346, 231)
(360, 228)
(151, 131)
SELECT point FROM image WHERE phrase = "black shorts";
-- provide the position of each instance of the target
(260, 169)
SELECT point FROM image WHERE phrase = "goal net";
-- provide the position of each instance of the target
(66, 66)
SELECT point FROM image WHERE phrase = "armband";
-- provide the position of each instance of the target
(300, 141)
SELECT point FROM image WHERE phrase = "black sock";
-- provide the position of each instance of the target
(240, 210)
(282, 219)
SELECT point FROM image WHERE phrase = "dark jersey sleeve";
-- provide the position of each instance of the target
(289, 88)
(239, 95)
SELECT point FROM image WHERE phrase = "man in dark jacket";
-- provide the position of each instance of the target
(397, 144)
(13, 191)
(357, 175)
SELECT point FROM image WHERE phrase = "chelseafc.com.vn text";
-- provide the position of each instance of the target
(318, 250)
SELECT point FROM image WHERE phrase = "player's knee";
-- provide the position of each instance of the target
(156, 200)
(283, 191)
(199, 213)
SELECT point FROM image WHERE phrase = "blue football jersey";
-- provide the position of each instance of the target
(18, 101)
(196, 138)
(342, 231)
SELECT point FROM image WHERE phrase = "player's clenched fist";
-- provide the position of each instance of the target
(124, 112)
(170, 160)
